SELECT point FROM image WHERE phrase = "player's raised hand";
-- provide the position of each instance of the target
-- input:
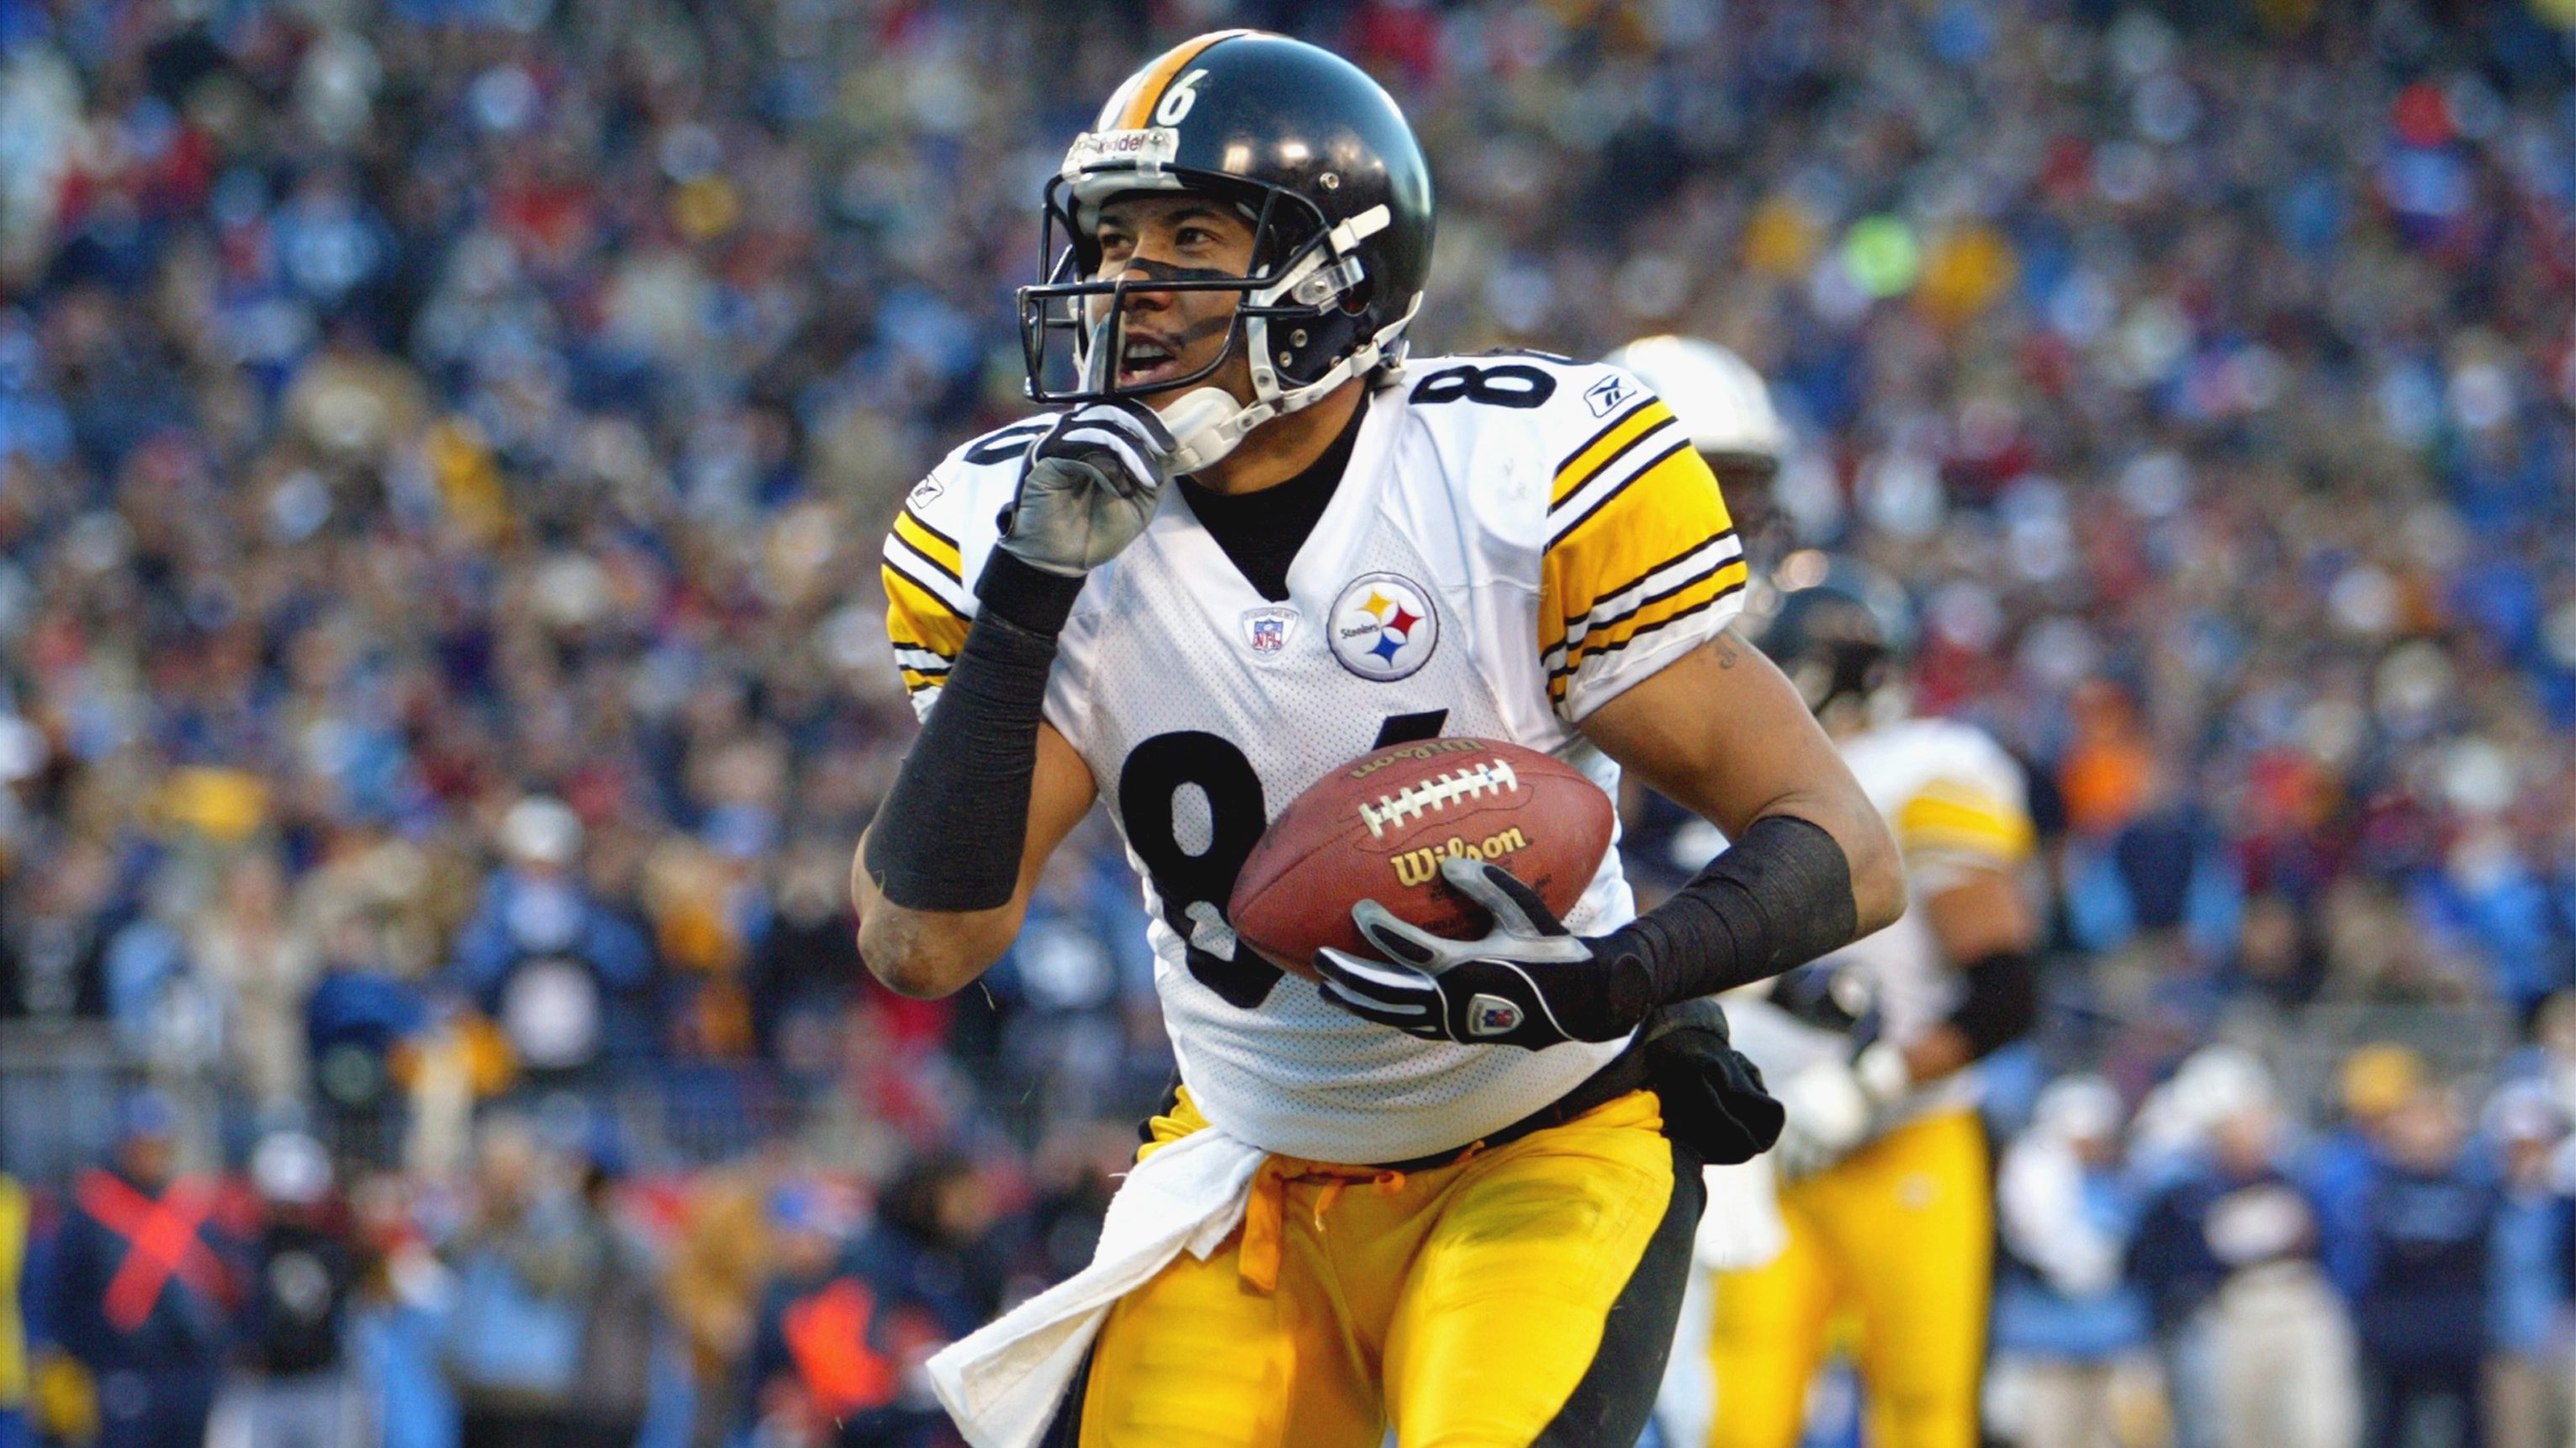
(1528, 982)
(1089, 488)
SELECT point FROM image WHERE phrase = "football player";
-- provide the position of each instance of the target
(1884, 1201)
(1254, 542)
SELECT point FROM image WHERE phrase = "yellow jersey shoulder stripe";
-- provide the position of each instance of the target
(1608, 485)
(939, 584)
(934, 547)
(1603, 448)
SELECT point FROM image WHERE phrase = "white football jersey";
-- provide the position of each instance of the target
(1514, 542)
(1954, 800)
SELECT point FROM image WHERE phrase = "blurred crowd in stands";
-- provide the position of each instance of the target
(444, 444)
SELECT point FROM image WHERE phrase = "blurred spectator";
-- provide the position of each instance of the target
(621, 1329)
(2227, 1254)
(293, 1388)
(2431, 1219)
(262, 965)
(2373, 1083)
(2528, 1382)
(561, 972)
(143, 1284)
(845, 1325)
(718, 1266)
(2065, 1315)
(514, 1337)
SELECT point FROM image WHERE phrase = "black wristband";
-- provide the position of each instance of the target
(2001, 1002)
(950, 833)
(1779, 898)
(1016, 589)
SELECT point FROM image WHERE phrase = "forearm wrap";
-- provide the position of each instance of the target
(2001, 1004)
(1779, 898)
(950, 833)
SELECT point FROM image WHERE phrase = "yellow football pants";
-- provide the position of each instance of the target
(1899, 1236)
(1464, 1303)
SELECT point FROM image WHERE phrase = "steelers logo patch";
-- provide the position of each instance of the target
(1384, 627)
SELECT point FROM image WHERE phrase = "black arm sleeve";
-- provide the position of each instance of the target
(1779, 898)
(950, 833)
(2002, 1002)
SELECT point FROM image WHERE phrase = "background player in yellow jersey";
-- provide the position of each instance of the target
(1870, 1223)
(1381, 1200)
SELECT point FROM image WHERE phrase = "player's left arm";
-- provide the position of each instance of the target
(1812, 868)
(1966, 848)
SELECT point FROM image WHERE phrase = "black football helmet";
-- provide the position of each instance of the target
(1311, 151)
(1840, 630)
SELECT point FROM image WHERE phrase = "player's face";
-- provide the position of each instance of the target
(1169, 335)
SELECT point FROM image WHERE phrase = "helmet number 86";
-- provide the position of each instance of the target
(1178, 100)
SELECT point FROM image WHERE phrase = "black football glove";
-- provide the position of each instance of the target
(1529, 982)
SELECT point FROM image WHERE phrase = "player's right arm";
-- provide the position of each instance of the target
(942, 877)
(930, 953)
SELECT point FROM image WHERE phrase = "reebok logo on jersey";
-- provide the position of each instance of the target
(1604, 396)
(1383, 626)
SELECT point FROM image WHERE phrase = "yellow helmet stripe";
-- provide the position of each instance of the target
(1159, 76)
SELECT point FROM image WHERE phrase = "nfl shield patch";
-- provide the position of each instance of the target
(1491, 1015)
(1266, 630)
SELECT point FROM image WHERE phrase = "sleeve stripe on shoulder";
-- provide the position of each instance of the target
(921, 660)
(1598, 494)
(935, 547)
(1625, 432)
(1562, 674)
(916, 680)
(906, 562)
(916, 618)
(1692, 567)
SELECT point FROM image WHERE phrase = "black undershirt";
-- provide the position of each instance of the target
(1261, 532)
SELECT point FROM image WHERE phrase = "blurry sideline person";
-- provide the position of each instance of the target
(292, 1389)
(2527, 1369)
(2373, 1084)
(143, 1287)
(1883, 1189)
(2066, 1316)
(712, 1287)
(621, 1323)
(2227, 1252)
(514, 1338)
(2429, 1218)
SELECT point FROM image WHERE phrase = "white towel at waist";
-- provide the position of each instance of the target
(1001, 1382)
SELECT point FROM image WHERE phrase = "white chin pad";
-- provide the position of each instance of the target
(1206, 423)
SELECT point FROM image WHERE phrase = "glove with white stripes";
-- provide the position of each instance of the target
(1089, 488)
(1528, 982)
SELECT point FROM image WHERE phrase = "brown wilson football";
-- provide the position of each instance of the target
(1378, 827)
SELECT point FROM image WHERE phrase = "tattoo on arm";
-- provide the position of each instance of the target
(1727, 654)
